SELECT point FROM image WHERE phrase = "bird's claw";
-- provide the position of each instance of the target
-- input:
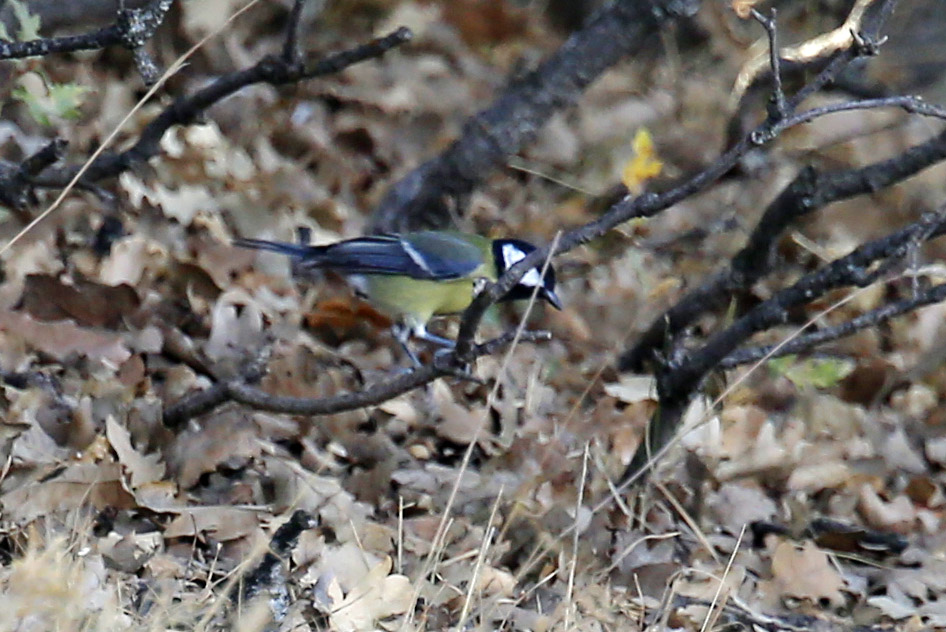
(445, 360)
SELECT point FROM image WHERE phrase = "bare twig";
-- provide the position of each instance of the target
(241, 390)
(15, 188)
(780, 107)
(810, 191)
(516, 116)
(911, 104)
(806, 342)
(291, 52)
(185, 110)
(682, 374)
(645, 205)
(132, 29)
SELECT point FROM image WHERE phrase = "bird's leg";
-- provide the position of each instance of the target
(447, 346)
(421, 333)
(403, 334)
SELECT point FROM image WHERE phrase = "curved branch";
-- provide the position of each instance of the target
(16, 190)
(910, 104)
(682, 375)
(517, 115)
(806, 342)
(243, 392)
(132, 29)
(185, 110)
(810, 191)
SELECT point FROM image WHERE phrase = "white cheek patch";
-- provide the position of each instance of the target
(511, 256)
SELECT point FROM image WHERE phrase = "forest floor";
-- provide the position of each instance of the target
(810, 495)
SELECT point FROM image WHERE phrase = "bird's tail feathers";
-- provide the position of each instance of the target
(282, 247)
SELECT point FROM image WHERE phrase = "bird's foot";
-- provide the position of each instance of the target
(443, 360)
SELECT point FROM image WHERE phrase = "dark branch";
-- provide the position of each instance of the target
(780, 110)
(132, 29)
(516, 116)
(16, 190)
(810, 191)
(186, 110)
(682, 375)
(807, 342)
(911, 104)
(243, 392)
(269, 578)
(646, 205)
(291, 52)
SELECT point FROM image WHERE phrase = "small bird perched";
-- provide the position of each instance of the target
(413, 277)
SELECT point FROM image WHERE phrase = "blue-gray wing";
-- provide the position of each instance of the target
(422, 255)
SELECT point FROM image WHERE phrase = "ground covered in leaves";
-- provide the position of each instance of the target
(814, 488)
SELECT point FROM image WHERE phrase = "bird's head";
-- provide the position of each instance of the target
(508, 252)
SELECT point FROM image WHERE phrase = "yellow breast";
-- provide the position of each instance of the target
(415, 301)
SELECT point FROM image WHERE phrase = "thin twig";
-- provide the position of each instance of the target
(778, 94)
(132, 29)
(516, 116)
(680, 377)
(185, 110)
(806, 342)
(911, 104)
(72, 176)
(809, 192)
(242, 391)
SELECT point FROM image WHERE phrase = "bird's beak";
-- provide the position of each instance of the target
(553, 298)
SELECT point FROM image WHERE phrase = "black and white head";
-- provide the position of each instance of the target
(508, 252)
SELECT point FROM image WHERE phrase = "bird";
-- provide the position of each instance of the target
(416, 276)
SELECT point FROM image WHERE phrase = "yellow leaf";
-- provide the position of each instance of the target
(644, 165)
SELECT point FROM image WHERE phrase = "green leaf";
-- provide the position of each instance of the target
(47, 101)
(812, 373)
(66, 98)
(780, 366)
(29, 23)
(32, 105)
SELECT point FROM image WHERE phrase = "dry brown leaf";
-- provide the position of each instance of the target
(457, 422)
(32, 447)
(141, 469)
(936, 450)
(739, 504)
(227, 437)
(87, 303)
(898, 515)
(491, 582)
(158, 496)
(222, 523)
(130, 259)
(377, 596)
(707, 587)
(818, 476)
(806, 573)
(743, 8)
(80, 484)
(60, 340)
(237, 324)
(633, 388)
(131, 551)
